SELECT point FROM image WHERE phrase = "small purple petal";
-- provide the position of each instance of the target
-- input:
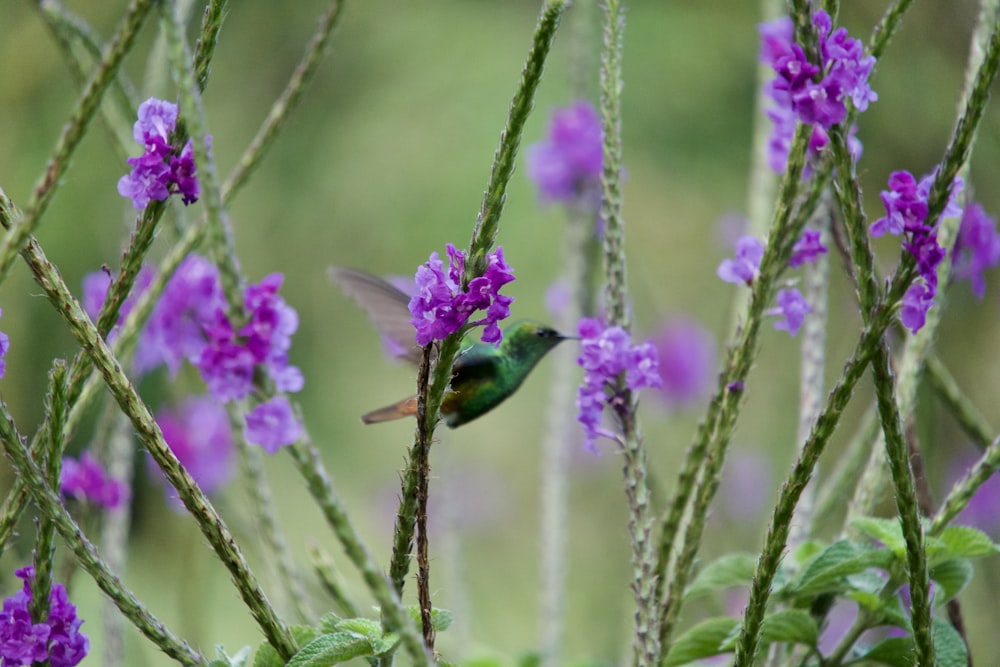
(272, 425)
(792, 308)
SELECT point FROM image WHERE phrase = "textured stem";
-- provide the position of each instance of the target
(960, 494)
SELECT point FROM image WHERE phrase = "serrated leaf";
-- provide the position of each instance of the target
(891, 612)
(865, 599)
(328, 650)
(386, 643)
(268, 657)
(887, 531)
(966, 542)
(790, 625)
(895, 651)
(365, 627)
(951, 576)
(949, 649)
(441, 619)
(827, 571)
(702, 641)
(808, 550)
(328, 623)
(730, 570)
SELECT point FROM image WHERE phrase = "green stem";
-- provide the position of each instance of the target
(73, 132)
(47, 500)
(960, 494)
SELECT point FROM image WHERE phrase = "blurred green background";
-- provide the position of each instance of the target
(385, 161)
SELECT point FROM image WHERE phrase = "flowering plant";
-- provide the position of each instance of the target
(178, 366)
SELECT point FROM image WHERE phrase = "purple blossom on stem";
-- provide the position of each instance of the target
(4, 346)
(843, 73)
(157, 173)
(807, 248)
(792, 309)
(686, 361)
(566, 166)
(743, 268)
(606, 353)
(440, 308)
(977, 248)
(57, 639)
(199, 434)
(85, 479)
(904, 206)
(272, 425)
(916, 302)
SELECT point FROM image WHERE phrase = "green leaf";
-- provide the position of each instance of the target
(895, 651)
(441, 619)
(703, 640)
(328, 623)
(268, 657)
(386, 643)
(225, 660)
(365, 627)
(790, 625)
(966, 542)
(730, 570)
(327, 650)
(826, 572)
(951, 576)
(891, 612)
(887, 531)
(949, 649)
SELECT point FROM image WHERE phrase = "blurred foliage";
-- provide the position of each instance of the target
(384, 162)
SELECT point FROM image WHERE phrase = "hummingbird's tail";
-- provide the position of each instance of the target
(404, 408)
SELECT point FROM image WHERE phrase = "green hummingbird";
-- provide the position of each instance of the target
(483, 376)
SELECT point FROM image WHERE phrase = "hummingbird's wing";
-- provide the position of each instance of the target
(386, 305)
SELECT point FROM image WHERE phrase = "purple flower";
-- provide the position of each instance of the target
(687, 361)
(742, 269)
(566, 166)
(4, 346)
(606, 353)
(923, 245)
(916, 302)
(977, 248)
(439, 307)
(86, 480)
(226, 364)
(272, 425)
(904, 206)
(199, 434)
(807, 248)
(193, 297)
(157, 173)
(268, 334)
(843, 73)
(58, 639)
(792, 308)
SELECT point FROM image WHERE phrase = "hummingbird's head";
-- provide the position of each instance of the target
(531, 340)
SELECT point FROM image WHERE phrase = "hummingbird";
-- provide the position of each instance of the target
(483, 375)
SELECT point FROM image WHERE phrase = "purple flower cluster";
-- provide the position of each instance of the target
(159, 172)
(906, 213)
(792, 307)
(686, 353)
(199, 434)
(58, 639)
(813, 94)
(85, 479)
(977, 248)
(566, 166)
(605, 354)
(439, 307)
(189, 323)
(4, 346)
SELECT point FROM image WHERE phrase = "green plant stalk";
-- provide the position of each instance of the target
(778, 529)
(72, 133)
(421, 454)
(221, 240)
(906, 503)
(310, 466)
(81, 48)
(963, 490)
(208, 39)
(886, 28)
(45, 547)
(715, 431)
(148, 432)
(47, 500)
(323, 565)
(969, 419)
(272, 537)
(289, 98)
(646, 641)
